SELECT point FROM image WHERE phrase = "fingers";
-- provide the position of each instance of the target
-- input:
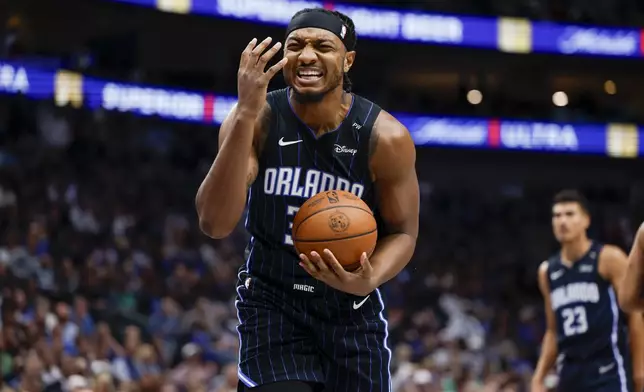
(367, 269)
(308, 265)
(319, 262)
(256, 55)
(266, 57)
(247, 51)
(272, 71)
(334, 264)
(259, 49)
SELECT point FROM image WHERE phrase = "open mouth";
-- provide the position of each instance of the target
(309, 75)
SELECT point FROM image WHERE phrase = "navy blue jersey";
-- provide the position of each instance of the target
(590, 325)
(293, 166)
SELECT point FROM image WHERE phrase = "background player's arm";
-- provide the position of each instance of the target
(632, 287)
(222, 195)
(613, 265)
(549, 343)
(393, 165)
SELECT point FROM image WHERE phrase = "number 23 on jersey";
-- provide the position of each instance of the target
(575, 321)
(290, 214)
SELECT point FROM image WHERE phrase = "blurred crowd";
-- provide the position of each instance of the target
(106, 283)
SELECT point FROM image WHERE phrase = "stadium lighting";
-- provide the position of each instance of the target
(474, 97)
(560, 99)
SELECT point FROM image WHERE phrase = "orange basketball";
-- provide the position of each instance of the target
(339, 221)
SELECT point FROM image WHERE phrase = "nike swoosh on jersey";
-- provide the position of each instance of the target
(556, 275)
(282, 143)
(604, 369)
(357, 306)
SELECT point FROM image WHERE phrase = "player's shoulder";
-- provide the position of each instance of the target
(544, 267)
(386, 125)
(390, 136)
(549, 265)
(542, 276)
(391, 148)
(612, 261)
(611, 252)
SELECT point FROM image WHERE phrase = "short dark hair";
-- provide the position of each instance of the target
(352, 37)
(572, 196)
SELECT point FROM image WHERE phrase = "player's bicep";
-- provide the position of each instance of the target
(544, 287)
(399, 203)
(393, 163)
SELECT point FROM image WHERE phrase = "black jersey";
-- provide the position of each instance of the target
(295, 165)
(590, 324)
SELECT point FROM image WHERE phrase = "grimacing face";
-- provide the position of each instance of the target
(569, 221)
(317, 60)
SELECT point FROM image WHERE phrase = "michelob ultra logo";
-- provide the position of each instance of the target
(514, 35)
(68, 89)
(622, 140)
(175, 6)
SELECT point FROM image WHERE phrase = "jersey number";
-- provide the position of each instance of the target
(290, 214)
(575, 321)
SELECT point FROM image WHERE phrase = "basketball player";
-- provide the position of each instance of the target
(633, 283)
(587, 334)
(306, 324)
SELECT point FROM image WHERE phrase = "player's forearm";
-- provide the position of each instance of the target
(548, 356)
(392, 254)
(222, 195)
(630, 298)
(636, 337)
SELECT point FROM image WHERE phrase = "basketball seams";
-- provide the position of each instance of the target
(338, 239)
(332, 229)
(294, 230)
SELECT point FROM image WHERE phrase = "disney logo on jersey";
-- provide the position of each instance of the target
(297, 182)
(344, 150)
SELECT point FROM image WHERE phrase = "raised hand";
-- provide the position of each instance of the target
(253, 78)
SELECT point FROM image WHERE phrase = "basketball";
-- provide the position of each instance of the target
(339, 221)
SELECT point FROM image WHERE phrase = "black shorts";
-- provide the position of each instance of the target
(339, 342)
(611, 374)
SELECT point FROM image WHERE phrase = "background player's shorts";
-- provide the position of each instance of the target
(608, 375)
(339, 343)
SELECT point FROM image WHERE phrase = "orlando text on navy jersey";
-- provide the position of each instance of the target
(293, 166)
(592, 332)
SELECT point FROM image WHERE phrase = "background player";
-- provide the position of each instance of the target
(633, 283)
(298, 333)
(586, 332)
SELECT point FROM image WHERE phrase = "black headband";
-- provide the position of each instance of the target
(323, 20)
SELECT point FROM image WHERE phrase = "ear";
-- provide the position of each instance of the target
(349, 58)
(587, 221)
